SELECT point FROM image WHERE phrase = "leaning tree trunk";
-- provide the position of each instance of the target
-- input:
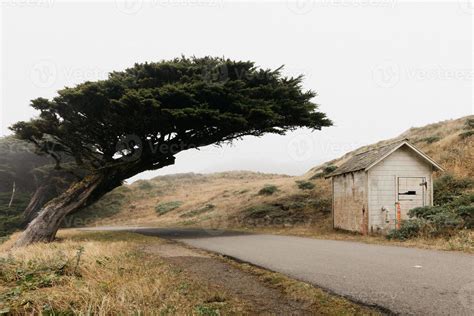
(49, 187)
(38, 200)
(44, 227)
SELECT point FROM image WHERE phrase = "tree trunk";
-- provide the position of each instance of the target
(13, 194)
(57, 182)
(38, 200)
(44, 227)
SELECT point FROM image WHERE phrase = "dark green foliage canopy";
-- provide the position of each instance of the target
(138, 119)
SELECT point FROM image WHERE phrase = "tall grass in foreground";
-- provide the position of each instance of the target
(100, 274)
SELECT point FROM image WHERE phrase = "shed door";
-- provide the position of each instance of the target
(411, 193)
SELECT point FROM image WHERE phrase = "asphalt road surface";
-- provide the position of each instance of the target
(400, 280)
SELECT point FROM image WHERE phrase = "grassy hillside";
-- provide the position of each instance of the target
(217, 200)
(254, 200)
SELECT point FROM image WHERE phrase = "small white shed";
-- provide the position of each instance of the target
(373, 186)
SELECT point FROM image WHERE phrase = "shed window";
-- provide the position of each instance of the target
(407, 193)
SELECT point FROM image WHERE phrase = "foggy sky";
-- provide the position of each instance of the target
(379, 67)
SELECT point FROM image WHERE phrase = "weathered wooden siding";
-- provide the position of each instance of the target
(383, 188)
(350, 201)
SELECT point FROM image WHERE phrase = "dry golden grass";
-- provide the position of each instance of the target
(229, 193)
(112, 276)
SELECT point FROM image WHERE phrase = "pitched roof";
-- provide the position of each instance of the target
(367, 159)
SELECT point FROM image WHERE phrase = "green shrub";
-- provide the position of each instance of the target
(447, 188)
(469, 124)
(145, 185)
(165, 207)
(330, 169)
(305, 185)
(207, 310)
(466, 212)
(445, 220)
(408, 229)
(439, 217)
(265, 210)
(438, 220)
(425, 212)
(462, 200)
(326, 171)
(469, 129)
(202, 210)
(467, 134)
(431, 139)
(268, 190)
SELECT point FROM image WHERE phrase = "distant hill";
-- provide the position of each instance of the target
(246, 199)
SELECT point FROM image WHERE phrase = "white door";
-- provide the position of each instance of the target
(411, 193)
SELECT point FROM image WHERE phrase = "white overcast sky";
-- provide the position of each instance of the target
(379, 67)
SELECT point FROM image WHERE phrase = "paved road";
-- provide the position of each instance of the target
(402, 280)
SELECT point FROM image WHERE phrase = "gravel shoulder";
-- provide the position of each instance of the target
(262, 292)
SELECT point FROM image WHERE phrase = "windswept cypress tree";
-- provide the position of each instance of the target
(140, 118)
